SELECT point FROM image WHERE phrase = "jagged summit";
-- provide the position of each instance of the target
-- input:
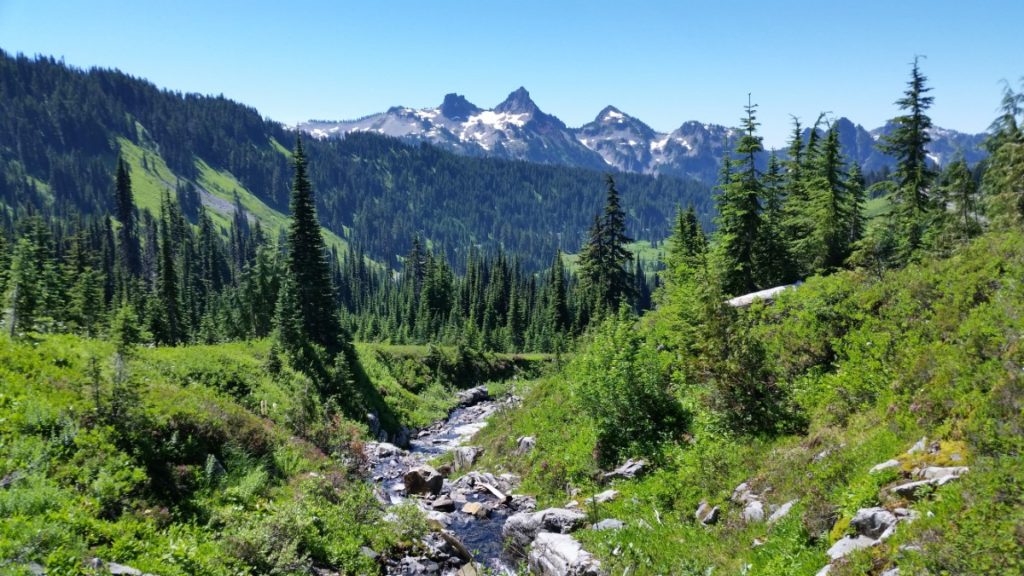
(518, 102)
(456, 107)
(517, 129)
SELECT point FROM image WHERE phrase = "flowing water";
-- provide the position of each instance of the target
(480, 536)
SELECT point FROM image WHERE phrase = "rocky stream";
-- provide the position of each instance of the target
(479, 521)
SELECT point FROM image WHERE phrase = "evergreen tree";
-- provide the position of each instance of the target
(775, 263)
(739, 209)
(913, 176)
(24, 288)
(605, 280)
(1003, 181)
(167, 281)
(128, 236)
(307, 271)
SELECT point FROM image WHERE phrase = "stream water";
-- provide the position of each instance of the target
(480, 535)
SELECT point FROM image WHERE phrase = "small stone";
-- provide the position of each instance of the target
(630, 469)
(849, 544)
(891, 572)
(884, 466)
(524, 444)
(443, 504)
(781, 512)
(706, 514)
(919, 446)
(470, 569)
(873, 522)
(939, 472)
(603, 497)
(476, 509)
(609, 524)
(753, 512)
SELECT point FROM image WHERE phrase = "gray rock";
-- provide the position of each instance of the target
(603, 497)
(373, 423)
(940, 472)
(443, 504)
(522, 503)
(630, 469)
(824, 571)
(884, 466)
(608, 524)
(472, 396)
(524, 444)
(742, 495)
(562, 555)
(387, 450)
(368, 552)
(891, 572)
(706, 514)
(521, 529)
(753, 512)
(781, 512)
(919, 446)
(849, 544)
(933, 476)
(873, 522)
(909, 489)
(464, 457)
(423, 480)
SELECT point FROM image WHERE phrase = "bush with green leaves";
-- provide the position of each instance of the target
(619, 381)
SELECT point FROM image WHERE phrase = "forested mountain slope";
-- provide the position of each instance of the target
(61, 130)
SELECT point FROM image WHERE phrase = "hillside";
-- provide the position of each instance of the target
(206, 459)
(61, 130)
(840, 375)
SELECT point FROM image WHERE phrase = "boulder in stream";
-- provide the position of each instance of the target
(521, 529)
(464, 457)
(423, 480)
(472, 396)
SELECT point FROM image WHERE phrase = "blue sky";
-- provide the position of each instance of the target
(663, 62)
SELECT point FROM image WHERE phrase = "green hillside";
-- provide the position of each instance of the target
(849, 372)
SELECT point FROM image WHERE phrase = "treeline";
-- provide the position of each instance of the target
(171, 282)
(805, 214)
(58, 152)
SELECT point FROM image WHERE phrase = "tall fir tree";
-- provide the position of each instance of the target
(739, 211)
(167, 279)
(775, 263)
(605, 279)
(307, 271)
(129, 249)
(908, 145)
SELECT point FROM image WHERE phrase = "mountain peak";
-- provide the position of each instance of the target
(456, 107)
(518, 102)
(610, 114)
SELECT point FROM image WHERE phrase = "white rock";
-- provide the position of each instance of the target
(884, 465)
(753, 512)
(562, 555)
(606, 496)
(781, 512)
(873, 522)
(849, 544)
(919, 446)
